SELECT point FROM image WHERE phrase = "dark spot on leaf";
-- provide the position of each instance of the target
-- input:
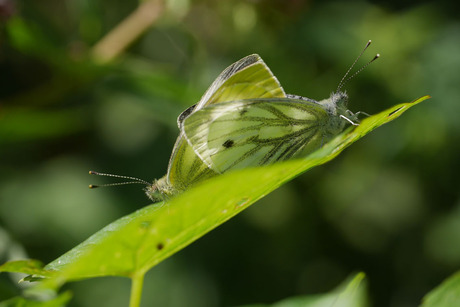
(243, 111)
(395, 111)
(160, 246)
(228, 143)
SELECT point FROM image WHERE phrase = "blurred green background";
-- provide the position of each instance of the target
(388, 206)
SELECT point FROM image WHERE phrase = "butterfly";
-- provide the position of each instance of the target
(250, 77)
(245, 119)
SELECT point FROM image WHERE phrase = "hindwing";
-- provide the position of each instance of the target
(252, 132)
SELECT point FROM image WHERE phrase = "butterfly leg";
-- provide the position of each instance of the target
(359, 112)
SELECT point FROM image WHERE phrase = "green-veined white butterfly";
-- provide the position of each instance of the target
(245, 119)
(248, 78)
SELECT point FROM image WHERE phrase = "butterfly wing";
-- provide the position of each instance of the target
(252, 132)
(250, 77)
(185, 167)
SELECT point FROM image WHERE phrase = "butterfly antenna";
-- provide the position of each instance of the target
(133, 180)
(345, 79)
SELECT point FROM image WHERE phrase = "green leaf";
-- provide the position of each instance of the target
(31, 267)
(446, 294)
(351, 293)
(59, 301)
(137, 242)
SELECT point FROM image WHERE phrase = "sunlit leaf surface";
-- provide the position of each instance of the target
(135, 243)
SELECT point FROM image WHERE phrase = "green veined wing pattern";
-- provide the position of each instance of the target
(250, 77)
(254, 132)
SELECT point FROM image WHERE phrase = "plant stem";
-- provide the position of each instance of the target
(137, 282)
(117, 40)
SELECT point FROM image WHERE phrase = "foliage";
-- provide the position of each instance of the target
(388, 206)
(352, 293)
(134, 244)
(445, 295)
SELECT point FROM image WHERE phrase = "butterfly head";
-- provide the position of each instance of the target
(339, 115)
(336, 104)
(160, 190)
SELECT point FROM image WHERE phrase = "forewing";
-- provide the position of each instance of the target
(248, 78)
(252, 132)
(184, 114)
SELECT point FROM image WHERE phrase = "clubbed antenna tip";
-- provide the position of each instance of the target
(345, 79)
(133, 180)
